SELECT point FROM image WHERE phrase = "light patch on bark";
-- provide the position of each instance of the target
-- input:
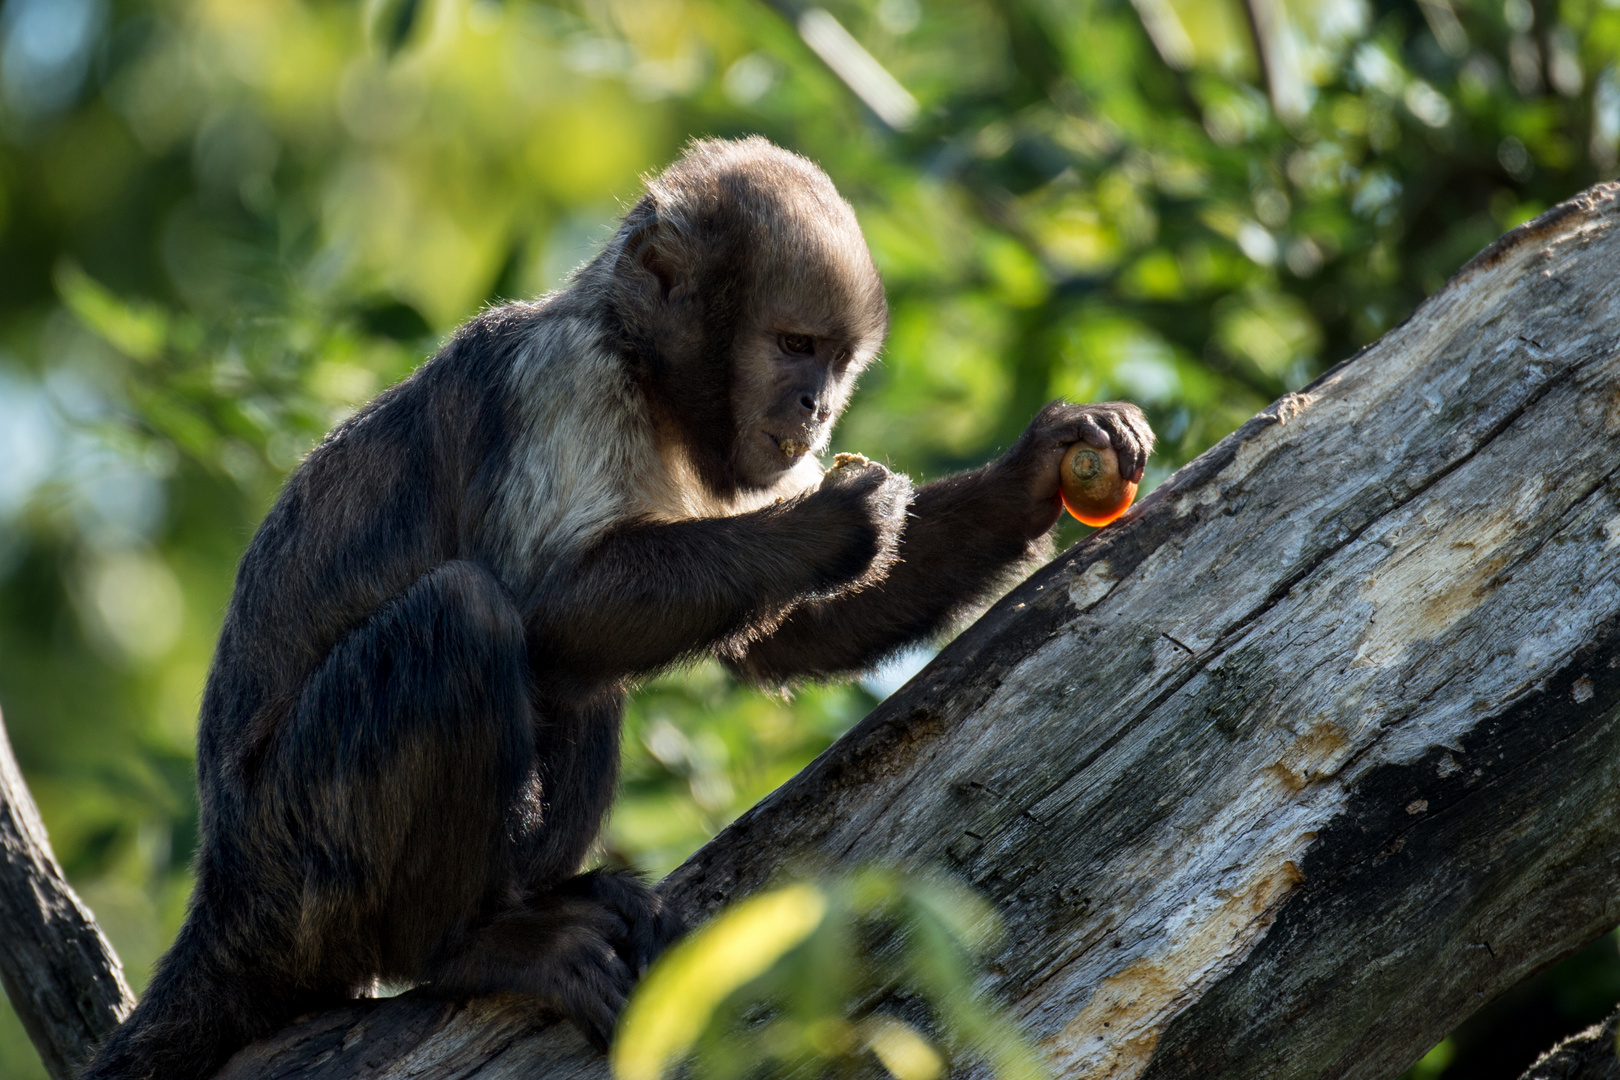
(1092, 585)
(1315, 755)
(1290, 406)
(1438, 573)
(1113, 1037)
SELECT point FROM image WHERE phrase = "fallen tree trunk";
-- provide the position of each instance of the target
(1281, 776)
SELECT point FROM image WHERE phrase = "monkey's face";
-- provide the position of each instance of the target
(748, 294)
(792, 377)
(815, 320)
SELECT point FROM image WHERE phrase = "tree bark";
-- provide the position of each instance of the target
(60, 975)
(1282, 775)
(1589, 1055)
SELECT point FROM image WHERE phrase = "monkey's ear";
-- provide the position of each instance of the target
(653, 252)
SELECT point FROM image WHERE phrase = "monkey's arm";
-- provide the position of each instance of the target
(965, 536)
(961, 544)
(647, 594)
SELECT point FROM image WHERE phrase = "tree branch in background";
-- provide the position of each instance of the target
(848, 59)
(1591, 1055)
(60, 974)
(1277, 49)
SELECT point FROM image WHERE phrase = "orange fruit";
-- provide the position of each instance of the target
(1093, 490)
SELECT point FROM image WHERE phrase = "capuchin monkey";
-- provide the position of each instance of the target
(410, 732)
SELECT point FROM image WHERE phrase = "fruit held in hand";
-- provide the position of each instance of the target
(1093, 490)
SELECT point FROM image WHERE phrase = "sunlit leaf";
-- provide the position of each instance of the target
(136, 330)
(902, 1049)
(673, 1003)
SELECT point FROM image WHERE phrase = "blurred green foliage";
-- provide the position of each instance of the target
(225, 223)
(765, 987)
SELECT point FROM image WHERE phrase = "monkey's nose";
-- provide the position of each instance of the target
(807, 403)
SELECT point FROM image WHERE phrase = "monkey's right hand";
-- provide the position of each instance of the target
(1030, 468)
(859, 512)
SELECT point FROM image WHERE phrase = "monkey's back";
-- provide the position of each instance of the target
(399, 488)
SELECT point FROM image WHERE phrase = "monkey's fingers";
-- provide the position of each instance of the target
(1129, 435)
(1143, 445)
(596, 1022)
(668, 928)
(663, 929)
(1132, 455)
(638, 945)
(1092, 433)
(594, 996)
(637, 922)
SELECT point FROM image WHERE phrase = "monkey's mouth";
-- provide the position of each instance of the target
(790, 448)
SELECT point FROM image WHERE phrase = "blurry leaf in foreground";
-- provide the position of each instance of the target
(778, 984)
(680, 994)
(903, 1051)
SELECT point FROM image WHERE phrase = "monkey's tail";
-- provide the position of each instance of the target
(193, 1016)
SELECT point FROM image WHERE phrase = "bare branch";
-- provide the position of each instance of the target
(60, 974)
(846, 58)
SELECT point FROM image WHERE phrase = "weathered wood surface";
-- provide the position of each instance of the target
(60, 975)
(1282, 775)
(1589, 1055)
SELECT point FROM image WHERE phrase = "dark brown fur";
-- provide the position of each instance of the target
(409, 736)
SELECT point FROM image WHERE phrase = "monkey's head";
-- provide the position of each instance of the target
(750, 304)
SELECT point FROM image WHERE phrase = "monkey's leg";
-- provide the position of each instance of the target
(426, 782)
(577, 751)
(397, 771)
(574, 941)
(423, 795)
(578, 947)
(370, 829)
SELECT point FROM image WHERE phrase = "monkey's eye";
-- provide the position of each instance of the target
(799, 343)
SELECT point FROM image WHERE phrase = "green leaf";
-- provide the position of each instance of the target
(136, 330)
(673, 1004)
(391, 23)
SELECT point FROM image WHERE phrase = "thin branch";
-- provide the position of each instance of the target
(848, 59)
(58, 969)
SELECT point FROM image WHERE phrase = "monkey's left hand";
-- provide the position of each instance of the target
(1031, 466)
